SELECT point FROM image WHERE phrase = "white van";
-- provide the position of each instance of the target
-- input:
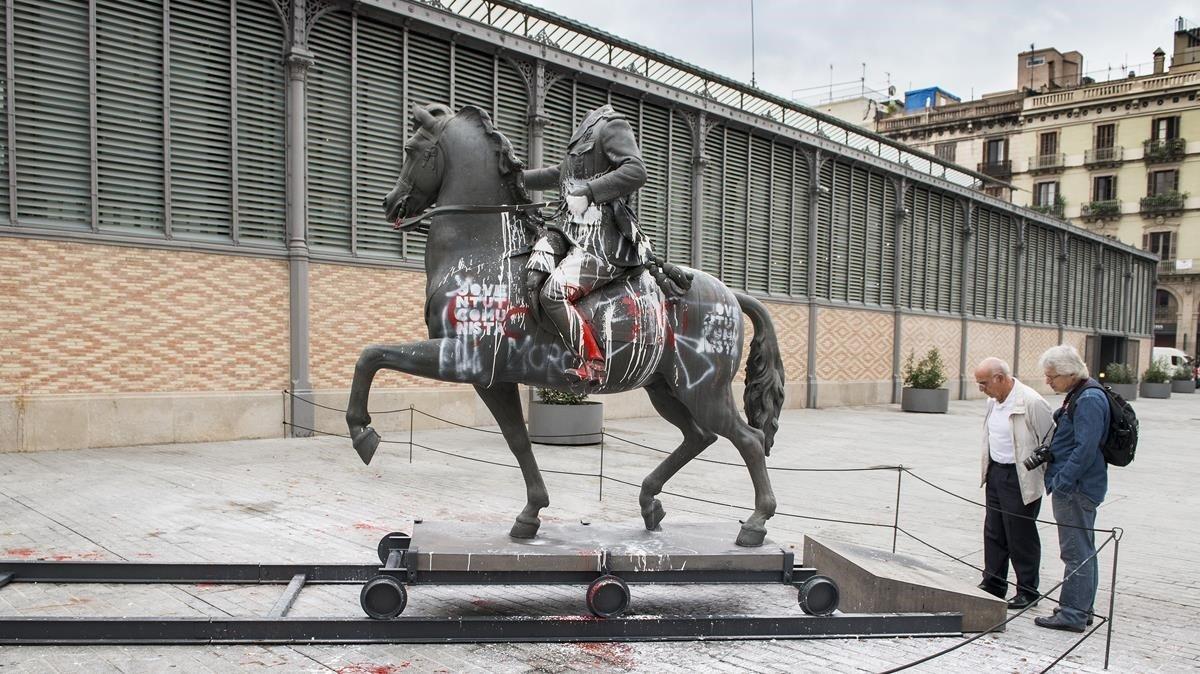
(1173, 357)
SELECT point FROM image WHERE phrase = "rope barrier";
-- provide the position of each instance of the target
(1114, 534)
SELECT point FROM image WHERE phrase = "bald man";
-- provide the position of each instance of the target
(1018, 419)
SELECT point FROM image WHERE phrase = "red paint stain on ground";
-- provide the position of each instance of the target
(616, 655)
(205, 586)
(89, 556)
(371, 668)
(483, 603)
(367, 526)
(20, 552)
(144, 555)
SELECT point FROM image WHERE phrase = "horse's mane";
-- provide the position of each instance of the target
(511, 166)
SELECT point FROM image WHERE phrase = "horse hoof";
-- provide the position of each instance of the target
(655, 516)
(751, 537)
(366, 442)
(524, 530)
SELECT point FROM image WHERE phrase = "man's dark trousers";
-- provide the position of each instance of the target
(1010, 532)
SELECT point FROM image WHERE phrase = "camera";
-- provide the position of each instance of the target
(1040, 455)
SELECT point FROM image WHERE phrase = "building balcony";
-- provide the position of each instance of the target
(1170, 203)
(996, 169)
(1109, 209)
(1103, 156)
(1161, 151)
(1182, 266)
(1047, 163)
(1054, 210)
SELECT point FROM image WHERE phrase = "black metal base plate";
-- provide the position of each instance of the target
(64, 631)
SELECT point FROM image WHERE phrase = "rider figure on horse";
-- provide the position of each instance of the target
(599, 241)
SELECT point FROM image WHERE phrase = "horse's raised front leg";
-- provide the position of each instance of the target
(423, 359)
(504, 402)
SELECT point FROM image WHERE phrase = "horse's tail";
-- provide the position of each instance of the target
(764, 372)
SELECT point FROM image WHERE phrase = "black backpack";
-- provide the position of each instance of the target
(1121, 442)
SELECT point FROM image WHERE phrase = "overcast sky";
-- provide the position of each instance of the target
(960, 46)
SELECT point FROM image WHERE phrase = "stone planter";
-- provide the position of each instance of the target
(581, 424)
(928, 400)
(1127, 391)
(1156, 390)
(1183, 386)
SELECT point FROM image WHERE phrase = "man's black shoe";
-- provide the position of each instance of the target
(1091, 617)
(999, 594)
(1055, 622)
(1021, 601)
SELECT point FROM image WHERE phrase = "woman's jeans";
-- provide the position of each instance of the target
(1076, 517)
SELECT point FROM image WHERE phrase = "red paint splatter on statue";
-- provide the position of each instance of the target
(372, 668)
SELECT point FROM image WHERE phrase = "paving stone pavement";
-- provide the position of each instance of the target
(311, 500)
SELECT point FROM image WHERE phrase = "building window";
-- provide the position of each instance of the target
(1106, 136)
(995, 151)
(1104, 188)
(1161, 244)
(1045, 193)
(1035, 61)
(1165, 128)
(1162, 182)
(1047, 144)
(945, 151)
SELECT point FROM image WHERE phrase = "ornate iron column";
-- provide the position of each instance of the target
(901, 188)
(1020, 296)
(816, 191)
(700, 125)
(1062, 275)
(298, 17)
(965, 285)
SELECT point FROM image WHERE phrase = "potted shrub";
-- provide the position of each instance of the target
(923, 381)
(1156, 381)
(1119, 377)
(565, 418)
(1182, 380)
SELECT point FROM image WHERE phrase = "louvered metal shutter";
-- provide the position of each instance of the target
(839, 233)
(474, 80)
(53, 155)
(856, 231)
(587, 98)
(982, 265)
(129, 133)
(653, 197)
(1038, 272)
(1006, 241)
(380, 123)
(783, 198)
(1081, 282)
(5, 150)
(713, 216)
(679, 221)
(329, 134)
(758, 225)
(630, 108)
(428, 82)
(824, 223)
(953, 227)
(261, 125)
(201, 180)
(891, 202)
(513, 104)
(733, 234)
(916, 251)
(559, 125)
(798, 234)
(874, 244)
(1112, 278)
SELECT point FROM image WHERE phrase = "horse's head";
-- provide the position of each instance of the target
(424, 166)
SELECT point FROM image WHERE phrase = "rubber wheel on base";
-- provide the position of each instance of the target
(607, 596)
(383, 597)
(819, 595)
(386, 546)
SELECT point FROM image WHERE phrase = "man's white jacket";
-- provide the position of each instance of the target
(1031, 421)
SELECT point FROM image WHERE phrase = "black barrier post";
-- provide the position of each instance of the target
(411, 418)
(896, 520)
(284, 395)
(602, 434)
(1112, 596)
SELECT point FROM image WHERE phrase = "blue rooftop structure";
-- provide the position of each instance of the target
(930, 97)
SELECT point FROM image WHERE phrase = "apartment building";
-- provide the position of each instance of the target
(1120, 158)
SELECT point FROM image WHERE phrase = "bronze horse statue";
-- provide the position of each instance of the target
(683, 350)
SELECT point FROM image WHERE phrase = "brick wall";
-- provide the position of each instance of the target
(918, 334)
(86, 318)
(1034, 342)
(854, 345)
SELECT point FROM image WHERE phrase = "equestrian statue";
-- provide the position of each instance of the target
(576, 301)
